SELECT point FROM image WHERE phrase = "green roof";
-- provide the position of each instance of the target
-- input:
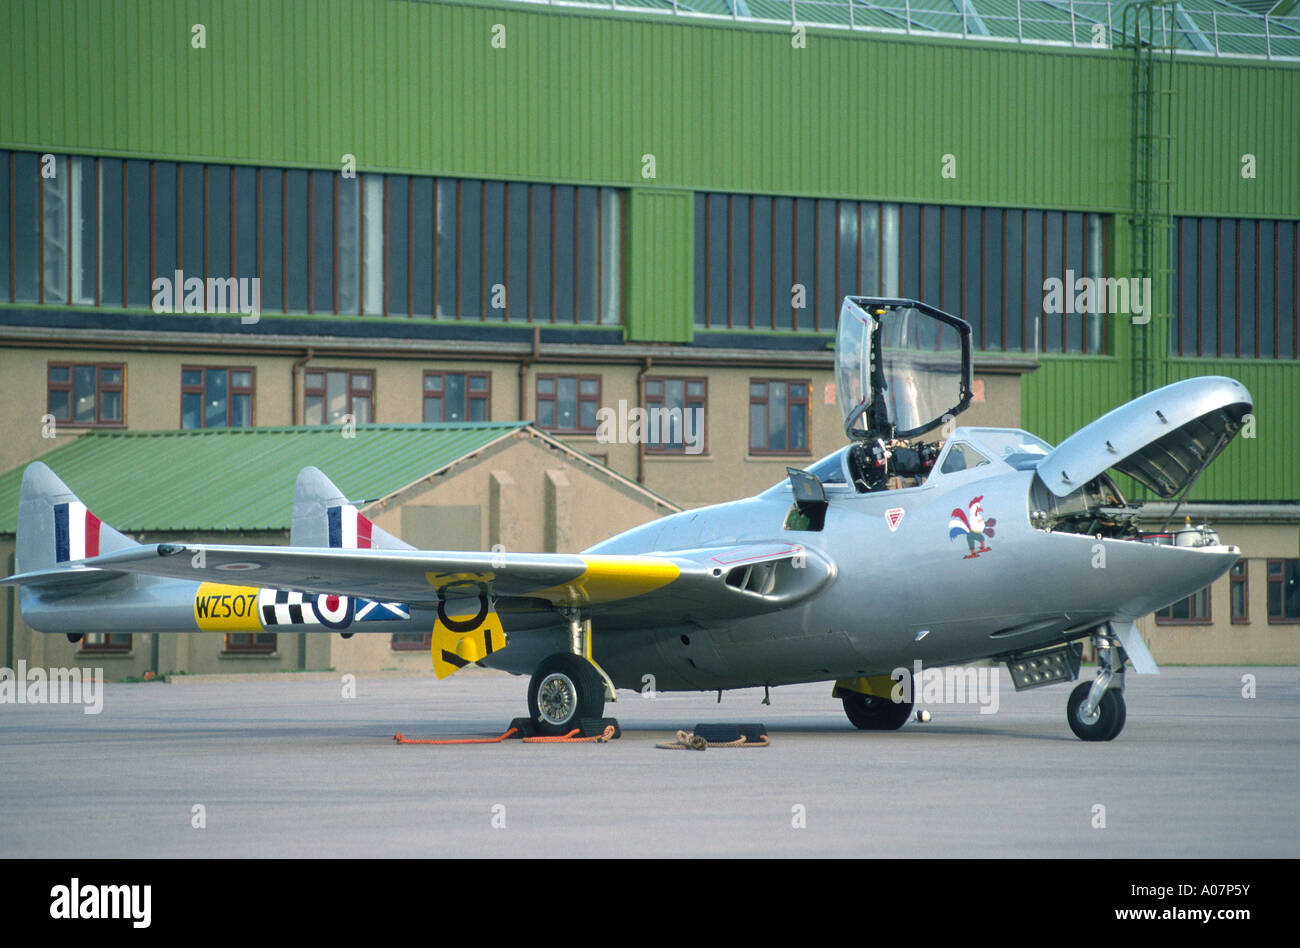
(224, 479)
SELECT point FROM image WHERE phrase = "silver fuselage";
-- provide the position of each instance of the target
(897, 596)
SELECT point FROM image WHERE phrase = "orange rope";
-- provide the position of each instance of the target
(607, 735)
(399, 739)
(570, 738)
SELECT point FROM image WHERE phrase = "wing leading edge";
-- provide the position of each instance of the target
(664, 588)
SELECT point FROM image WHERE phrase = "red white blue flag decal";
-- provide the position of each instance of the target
(348, 529)
(76, 532)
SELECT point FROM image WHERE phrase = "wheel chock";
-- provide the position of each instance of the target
(594, 727)
(523, 727)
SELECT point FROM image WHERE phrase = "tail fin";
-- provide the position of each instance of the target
(323, 517)
(54, 527)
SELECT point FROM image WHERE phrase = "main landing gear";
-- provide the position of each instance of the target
(1096, 709)
(569, 689)
(876, 712)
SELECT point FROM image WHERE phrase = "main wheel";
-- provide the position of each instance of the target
(871, 713)
(1111, 714)
(565, 689)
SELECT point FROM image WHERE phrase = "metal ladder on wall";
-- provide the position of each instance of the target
(1148, 28)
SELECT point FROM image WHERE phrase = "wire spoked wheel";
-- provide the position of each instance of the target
(565, 689)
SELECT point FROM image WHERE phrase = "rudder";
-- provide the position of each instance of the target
(55, 527)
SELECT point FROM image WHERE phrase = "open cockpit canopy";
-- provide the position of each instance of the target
(901, 367)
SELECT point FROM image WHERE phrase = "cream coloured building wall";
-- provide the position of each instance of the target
(724, 471)
(1222, 641)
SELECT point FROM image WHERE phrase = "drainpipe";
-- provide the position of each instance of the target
(293, 385)
(640, 444)
(523, 372)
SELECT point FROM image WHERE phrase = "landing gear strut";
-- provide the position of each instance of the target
(569, 687)
(1096, 710)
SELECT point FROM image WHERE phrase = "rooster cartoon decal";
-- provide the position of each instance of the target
(973, 526)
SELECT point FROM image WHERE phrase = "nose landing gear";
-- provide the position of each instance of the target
(1096, 710)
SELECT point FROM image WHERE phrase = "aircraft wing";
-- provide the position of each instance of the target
(703, 584)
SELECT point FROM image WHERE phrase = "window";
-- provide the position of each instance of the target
(101, 229)
(216, 398)
(1237, 288)
(250, 643)
(785, 263)
(412, 641)
(1238, 592)
(334, 393)
(568, 403)
(961, 457)
(456, 396)
(1194, 609)
(778, 417)
(1284, 590)
(101, 643)
(677, 410)
(85, 394)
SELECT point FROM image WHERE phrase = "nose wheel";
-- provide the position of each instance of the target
(1106, 720)
(1096, 710)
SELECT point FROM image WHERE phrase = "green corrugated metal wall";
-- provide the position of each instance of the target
(660, 265)
(419, 87)
(577, 96)
(1225, 110)
(1262, 467)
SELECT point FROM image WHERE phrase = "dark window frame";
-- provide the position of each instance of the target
(245, 643)
(485, 396)
(579, 399)
(100, 388)
(1190, 242)
(1241, 579)
(1165, 616)
(594, 217)
(112, 644)
(806, 451)
(231, 391)
(1278, 580)
(982, 277)
(688, 401)
(425, 643)
(353, 392)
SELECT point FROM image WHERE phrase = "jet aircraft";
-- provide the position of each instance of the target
(917, 541)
